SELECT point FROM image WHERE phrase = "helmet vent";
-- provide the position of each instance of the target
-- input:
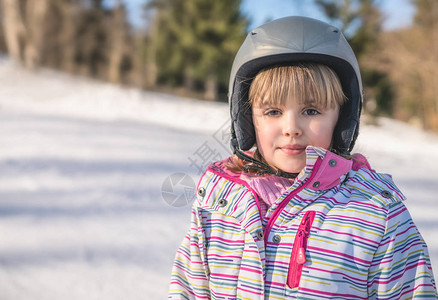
(334, 30)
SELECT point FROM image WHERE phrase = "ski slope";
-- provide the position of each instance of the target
(88, 191)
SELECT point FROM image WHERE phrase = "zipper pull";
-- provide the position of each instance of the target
(301, 254)
(298, 256)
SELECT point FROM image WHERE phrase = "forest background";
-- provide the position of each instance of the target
(187, 47)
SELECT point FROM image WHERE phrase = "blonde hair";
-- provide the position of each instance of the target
(307, 83)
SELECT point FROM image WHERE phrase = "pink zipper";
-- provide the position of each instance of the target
(298, 257)
(285, 201)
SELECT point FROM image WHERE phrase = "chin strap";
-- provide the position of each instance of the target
(260, 167)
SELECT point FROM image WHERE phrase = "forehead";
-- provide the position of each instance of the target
(312, 85)
(272, 97)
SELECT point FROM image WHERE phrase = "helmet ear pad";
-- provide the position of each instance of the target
(347, 127)
(242, 127)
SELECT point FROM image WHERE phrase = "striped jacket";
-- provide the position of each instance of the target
(339, 232)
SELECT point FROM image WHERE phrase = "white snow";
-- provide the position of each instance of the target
(82, 169)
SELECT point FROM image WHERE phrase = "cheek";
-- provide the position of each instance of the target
(322, 135)
(264, 135)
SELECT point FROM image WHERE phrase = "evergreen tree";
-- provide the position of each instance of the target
(195, 42)
(362, 20)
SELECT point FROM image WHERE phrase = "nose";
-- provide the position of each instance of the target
(292, 126)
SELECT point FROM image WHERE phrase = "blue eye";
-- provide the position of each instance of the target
(273, 112)
(311, 112)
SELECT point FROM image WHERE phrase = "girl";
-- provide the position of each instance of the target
(298, 217)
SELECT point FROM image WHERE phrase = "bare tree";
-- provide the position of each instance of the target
(410, 57)
(34, 22)
(24, 29)
(149, 54)
(117, 43)
(14, 28)
(69, 12)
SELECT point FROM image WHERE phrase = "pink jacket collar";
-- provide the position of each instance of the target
(333, 168)
(330, 168)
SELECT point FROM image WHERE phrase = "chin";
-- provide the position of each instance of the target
(292, 169)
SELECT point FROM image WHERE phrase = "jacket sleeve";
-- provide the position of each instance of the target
(401, 267)
(189, 278)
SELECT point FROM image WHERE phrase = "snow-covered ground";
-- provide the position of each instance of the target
(95, 182)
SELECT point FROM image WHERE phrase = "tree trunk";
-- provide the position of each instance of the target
(68, 45)
(211, 89)
(14, 29)
(150, 77)
(35, 14)
(24, 36)
(150, 53)
(117, 44)
(189, 81)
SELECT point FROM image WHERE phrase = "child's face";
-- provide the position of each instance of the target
(284, 131)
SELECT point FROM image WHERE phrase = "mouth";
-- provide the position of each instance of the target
(293, 149)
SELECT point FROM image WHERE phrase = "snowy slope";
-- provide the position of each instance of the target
(83, 165)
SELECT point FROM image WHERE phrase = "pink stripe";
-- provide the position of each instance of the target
(190, 292)
(212, 189)
(399, 212)
(224, 275)
(350, 296)
(248, 291)
(403, 232)
(419, 243)
(237, 203)
(388, 242)
(226, 240)
(189, 259)
(370, 205)
(411, 290)
(222, 221)
(338, 254)
(283, 245)
(252, 251)
(349, 234)
(238, 181)
(224, 256)
(392, 188)
(183, 254)
(420, 285)
(393, 278)
(275, 283)
(358, 219)
(255, 270)
(254, 221)
(199, 183)
(277, 262)
(338, 273)
(226, 296)
(190, 276)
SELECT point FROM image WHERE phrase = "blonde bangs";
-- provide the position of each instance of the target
(312, 84)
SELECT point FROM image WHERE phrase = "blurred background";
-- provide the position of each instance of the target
(187, 47)
(110, 110)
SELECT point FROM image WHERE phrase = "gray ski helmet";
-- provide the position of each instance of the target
(292, 40)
